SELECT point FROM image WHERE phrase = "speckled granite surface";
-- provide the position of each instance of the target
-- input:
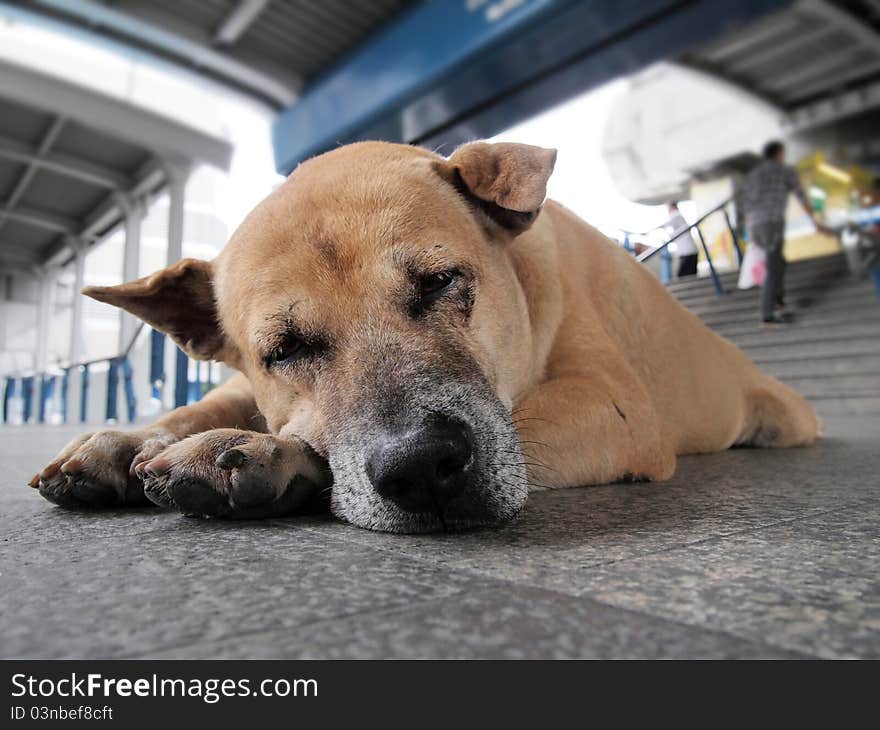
(744, 554)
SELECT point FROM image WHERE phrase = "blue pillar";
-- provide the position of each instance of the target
(195, 388)
(27, 393)
(65, 382)
(41, 402)
(47, 390)
(181, 379)
(8, 395)
(665, 266)
(157, 362)
(130, 399)
(46, 393)
(84, 394)
(111, 413)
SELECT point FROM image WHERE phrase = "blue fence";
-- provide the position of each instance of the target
(37, 391)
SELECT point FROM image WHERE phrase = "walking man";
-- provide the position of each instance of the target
(764, 198)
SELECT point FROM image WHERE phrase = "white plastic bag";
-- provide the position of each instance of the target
(754, 267)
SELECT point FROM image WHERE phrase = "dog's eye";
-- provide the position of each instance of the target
(432, 285)
(291, 349)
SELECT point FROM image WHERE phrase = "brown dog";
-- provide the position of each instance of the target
(414, 323)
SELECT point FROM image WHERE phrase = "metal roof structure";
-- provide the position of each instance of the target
(71, 159)
(814, 61)
(265, 48)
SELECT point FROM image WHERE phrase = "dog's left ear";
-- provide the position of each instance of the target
(506, 181)
(179, 301)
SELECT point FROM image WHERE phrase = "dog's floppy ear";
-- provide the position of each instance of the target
(507, 181)
(179, 301)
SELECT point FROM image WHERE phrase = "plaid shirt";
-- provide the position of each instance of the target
(765, 192)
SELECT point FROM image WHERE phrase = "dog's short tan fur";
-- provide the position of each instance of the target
(603, 373)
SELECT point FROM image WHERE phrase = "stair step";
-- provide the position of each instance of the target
(830, 352)
(768, 337)
(842, 382)
(814, 351)
(717, 320)
(808, 324)
(830, 388)
(730, 279)
(797, 288)
(823, 367)
(862, 293)
(834, 263)
(846, 406)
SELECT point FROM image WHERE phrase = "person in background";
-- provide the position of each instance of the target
(764, 199)
(684, 242)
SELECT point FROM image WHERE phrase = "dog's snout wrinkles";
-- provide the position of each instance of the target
(424, 468)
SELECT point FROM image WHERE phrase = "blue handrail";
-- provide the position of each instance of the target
(663, 248)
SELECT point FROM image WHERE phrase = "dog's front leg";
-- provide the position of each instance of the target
(99, 469)
(591, 429)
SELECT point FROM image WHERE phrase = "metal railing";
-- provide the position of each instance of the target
(663, 248)
(43, 384)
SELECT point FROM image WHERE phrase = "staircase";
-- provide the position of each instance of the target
(830, 352)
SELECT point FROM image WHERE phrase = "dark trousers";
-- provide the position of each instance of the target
(687, 265)
(770, 236)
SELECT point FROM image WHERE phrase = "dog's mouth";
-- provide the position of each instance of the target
(441, 470)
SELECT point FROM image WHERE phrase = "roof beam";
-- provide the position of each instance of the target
(863, 33)
(767, 29)
(238, 21)
(30, 170)
(176, 44)
(780, 47)
(832, 108)
(833, 82)
(808, 72)
(103, 177)
(41, 219)
(108, 214)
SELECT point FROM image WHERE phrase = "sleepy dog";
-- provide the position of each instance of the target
(424, 339)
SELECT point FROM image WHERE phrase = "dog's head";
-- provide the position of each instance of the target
(374, 302)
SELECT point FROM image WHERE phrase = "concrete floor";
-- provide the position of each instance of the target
(745, 554)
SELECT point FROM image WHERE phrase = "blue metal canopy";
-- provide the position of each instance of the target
(452, 70)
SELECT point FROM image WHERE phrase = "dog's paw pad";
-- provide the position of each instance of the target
(196, 497)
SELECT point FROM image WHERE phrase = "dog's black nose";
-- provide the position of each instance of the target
(423, 468)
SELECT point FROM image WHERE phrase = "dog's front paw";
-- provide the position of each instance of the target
(234, 474)
(98, 470)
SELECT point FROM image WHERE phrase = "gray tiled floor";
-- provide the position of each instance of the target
(746, 553)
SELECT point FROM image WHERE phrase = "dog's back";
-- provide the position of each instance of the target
(706, 392)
